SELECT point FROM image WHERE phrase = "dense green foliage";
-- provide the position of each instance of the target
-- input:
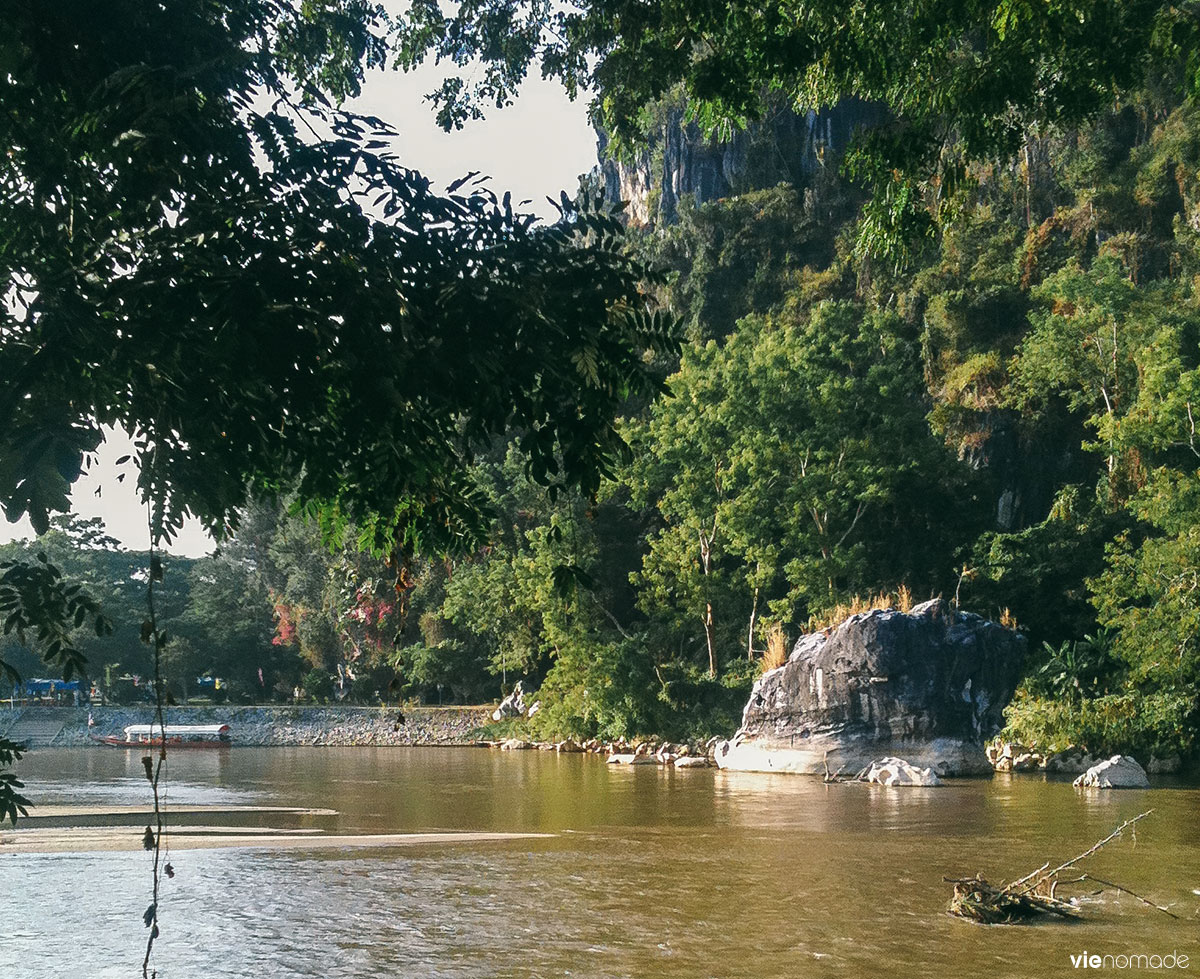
(1009, 420)
(332, 319)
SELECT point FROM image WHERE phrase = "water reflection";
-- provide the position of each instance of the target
(652, 873)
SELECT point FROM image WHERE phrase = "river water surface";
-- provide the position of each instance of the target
(649, 873)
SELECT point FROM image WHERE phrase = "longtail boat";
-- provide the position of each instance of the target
(176, 736)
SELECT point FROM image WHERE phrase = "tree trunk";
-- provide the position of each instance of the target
(750, 631)
(710, 638)
(706, 567)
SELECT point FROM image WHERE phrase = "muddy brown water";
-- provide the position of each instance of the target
(648, 872)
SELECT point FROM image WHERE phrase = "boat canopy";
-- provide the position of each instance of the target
(177, 730)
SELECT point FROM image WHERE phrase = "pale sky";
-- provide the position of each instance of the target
(535, 148)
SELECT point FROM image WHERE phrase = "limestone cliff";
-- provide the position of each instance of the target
(677, 161)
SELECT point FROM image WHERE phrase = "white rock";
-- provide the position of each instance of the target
(896, 771)
(1119, 772)
(513, 705)
(691, 761)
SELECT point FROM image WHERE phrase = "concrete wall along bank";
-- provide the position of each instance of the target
(266, 726)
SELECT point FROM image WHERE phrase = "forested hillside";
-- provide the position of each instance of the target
(1005, 418)
(938, 337)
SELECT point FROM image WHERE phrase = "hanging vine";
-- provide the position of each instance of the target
(153, 839)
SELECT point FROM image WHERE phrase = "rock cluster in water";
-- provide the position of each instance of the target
(896, 771)
(1009, 756)
(649, 752)
(929, 686)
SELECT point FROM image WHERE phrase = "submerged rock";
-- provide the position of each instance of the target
(625, 758)
(896, 771)
(1118, 772)
(929, 685)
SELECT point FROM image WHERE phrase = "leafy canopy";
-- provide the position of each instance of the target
(196, 245)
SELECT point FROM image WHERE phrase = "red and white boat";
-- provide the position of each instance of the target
(173, 735)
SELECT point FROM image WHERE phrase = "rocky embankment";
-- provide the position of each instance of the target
(652, 751)
(334, 727)
(1009, 756)
(276, 726)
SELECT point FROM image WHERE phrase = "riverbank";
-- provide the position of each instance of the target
(291, 726)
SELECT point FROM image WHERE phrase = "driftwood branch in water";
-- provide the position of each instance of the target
(832, 776)
(1126, 890)
(976, 899)
(1074, 860)
(1033, 894)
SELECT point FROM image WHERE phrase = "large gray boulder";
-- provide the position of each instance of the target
(929, 686)
(1117, 772)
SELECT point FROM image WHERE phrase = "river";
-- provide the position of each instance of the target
(648, 873)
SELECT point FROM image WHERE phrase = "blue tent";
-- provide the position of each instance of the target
(37, 688)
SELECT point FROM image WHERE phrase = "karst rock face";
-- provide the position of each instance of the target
(929, 686)
(678, 161)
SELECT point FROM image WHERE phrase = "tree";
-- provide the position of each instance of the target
(88, 561)
(228, 619)
(740, 256)
(200, 248)
(793, 467)
(1148, 592)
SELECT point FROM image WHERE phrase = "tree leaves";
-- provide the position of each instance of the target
(961, 82)
(373, 357)
(37, 604)
(12, 803)
(787, 460)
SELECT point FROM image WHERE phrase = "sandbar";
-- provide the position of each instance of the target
(119, 839)
(42, 813)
